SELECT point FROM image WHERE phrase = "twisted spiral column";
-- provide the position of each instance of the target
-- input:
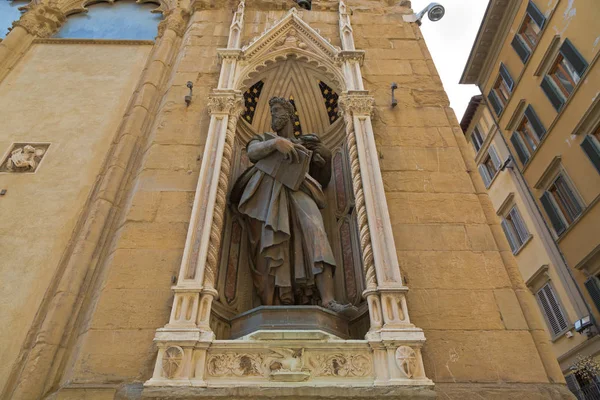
(361, 211)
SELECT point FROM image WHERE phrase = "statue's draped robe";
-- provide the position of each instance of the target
(286, 233)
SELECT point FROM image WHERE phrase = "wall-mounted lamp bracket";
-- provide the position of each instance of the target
(188, 98)
(394, 86)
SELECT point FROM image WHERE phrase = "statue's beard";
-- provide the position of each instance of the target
(278, 123)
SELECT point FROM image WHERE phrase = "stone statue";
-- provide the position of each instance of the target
(289, 254)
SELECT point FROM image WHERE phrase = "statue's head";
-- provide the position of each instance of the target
(282, 113)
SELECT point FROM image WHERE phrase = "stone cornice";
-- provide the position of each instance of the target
(235, 54)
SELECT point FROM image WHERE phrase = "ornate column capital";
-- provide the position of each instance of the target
(42, 20)
(351, 55)
(229, 102)
(356, 103)
(175, 20)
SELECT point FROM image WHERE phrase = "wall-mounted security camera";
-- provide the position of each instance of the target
(434, 11)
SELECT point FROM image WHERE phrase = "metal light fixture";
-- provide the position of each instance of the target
(394, 86)
(188, 98)
(434, 11)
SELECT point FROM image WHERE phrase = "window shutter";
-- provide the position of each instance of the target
(519, 225)
(485, 175)
(506, 76)
(495, 103)
(520, 48)
(555, 219)
(519, 148)
(552, 309)
(592, 284)
(512, 240)
(535, 122)
(535, 14)
(570, 53)
(495, 159)
(572, 204)
(591, 147)
(552, 94)
(475, 142)
(573, 385)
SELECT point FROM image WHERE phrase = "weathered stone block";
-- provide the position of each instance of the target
(480, 237)
(175, 206)
(150, 235)
(426, 182)
(144, 206)
(411, 208)
(173, 157)
(453, 269)
(510, 309)
(422, 116)
(143, 269)
(444, 309)
(482, 356)
(162, 180)
(429, 237)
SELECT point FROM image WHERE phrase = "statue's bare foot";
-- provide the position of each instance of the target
(347, 310)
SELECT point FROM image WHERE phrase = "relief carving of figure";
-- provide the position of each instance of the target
(24, 159)
(279, 198)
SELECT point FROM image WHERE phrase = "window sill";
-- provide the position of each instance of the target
(493, 179)
(554, 338)
(517, 251)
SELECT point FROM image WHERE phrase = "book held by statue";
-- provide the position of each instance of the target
(283, 170)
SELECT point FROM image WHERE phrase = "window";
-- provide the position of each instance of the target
(552, 310)
(515, 230)
(591, 147)
(561, 204)
(564, 75)
(528, 135)
(592, 284)
(121, 20)
(477, 139)
(528, 37)
(9, 12)
(501, 91)
(490, 166)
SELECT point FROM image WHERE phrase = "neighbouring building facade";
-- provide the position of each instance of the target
(128, 271)
(534, 137)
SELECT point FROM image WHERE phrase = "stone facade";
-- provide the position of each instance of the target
(125, 301)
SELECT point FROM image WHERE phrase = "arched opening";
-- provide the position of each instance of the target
(314, 95)
(9, 12)
(124, 19)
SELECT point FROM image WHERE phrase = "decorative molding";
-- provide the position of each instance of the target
(551, 170)
(549, 55)
(508, 201)
(351, 55)
(24, 157)
(93, 41)
(356, 104)
(175, 20)
(516, 116)
(227, 103)
(340, 365)
(406, 361)
(538, 279)
(41, 20)
(172, 361)
(590, 120)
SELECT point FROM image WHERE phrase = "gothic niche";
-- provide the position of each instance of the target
(315, 110)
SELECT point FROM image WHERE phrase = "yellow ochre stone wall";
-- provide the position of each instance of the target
(452, 253)
(72, 96)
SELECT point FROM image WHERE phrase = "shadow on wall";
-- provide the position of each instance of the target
(121, 20)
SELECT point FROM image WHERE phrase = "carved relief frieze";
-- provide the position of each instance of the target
(42, 20)
(289, 364)
(24, 157)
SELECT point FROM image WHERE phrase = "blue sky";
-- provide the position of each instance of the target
(450, 41)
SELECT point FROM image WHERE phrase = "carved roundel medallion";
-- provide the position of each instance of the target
(406, 359)
(172, 361)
